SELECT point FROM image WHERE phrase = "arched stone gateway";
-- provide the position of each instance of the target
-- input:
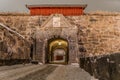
(57, 51)
(56, 41)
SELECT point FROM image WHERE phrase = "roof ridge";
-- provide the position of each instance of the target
(57, 5)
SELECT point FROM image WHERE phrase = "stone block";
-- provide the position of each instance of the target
(104, 67)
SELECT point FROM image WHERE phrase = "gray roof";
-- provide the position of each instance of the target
(57, 5)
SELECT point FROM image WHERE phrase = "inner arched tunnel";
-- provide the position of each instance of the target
(57, 51)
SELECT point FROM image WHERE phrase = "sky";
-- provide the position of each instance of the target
(93, 5)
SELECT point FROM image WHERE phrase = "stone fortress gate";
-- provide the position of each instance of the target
(56, 41)
(45, 35)
(59, 34)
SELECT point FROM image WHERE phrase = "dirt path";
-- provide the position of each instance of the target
(40, 74)
(43, 72)
(5, 68)
(69, 72)
(13, 74)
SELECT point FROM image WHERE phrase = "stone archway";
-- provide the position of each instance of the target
(51, 31)
(57, 51)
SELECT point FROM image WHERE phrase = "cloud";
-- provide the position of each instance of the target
(105, 5)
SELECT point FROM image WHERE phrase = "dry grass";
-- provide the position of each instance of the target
(13, 14)
(103, 13)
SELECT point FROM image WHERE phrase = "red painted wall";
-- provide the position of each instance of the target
(53, 10)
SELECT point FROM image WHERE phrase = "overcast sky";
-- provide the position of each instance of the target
(93, 5)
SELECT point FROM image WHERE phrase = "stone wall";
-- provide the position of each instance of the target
(102, 67)
(97, 34)
(25, 25)
(12, 48)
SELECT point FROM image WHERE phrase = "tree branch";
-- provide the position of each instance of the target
(4, 26)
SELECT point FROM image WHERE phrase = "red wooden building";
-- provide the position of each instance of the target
(66, 10)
